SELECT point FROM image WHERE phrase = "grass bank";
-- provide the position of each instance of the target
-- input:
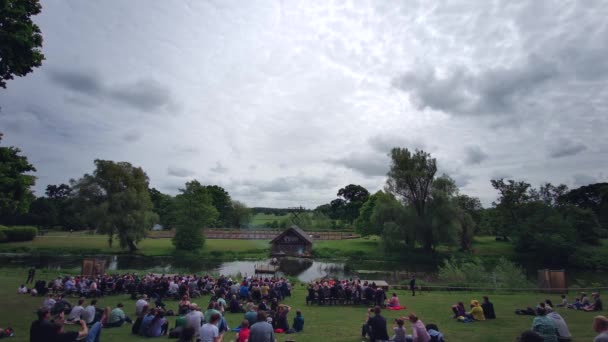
(335, 323)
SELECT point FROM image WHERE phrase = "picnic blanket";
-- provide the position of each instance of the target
(396, 308)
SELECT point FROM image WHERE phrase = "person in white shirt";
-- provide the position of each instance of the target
(88, 315)
(22, 289)
(76, 311)
(49, 302)
(139, 305)
(209, 332)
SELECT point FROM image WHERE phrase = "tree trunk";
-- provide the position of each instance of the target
(132, 246)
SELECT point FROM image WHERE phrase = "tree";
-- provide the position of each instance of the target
(363, 223)
(162, 204)
(411, 177)
(389, 213)
(222, 202)
(20, 39)
(241, 214)
(193, 210)
(593, 197)
(512, 198)
(119, 201)
(15, 184)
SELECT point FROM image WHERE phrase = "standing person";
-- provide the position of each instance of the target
(261, 331)
(377, 325)
(544, 325)
(600, 325)
(419, 332)
(30, 275)
(209, 332)
(413, 285)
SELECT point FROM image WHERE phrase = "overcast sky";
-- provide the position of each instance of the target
(284, 102)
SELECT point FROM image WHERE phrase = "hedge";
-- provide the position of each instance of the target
(14, 234)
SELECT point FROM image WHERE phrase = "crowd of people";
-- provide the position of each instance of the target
(332, 292)
(375, 327)
(257, 299)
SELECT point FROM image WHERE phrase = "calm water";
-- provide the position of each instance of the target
(304, 270)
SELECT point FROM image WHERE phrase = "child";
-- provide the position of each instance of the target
(399, 331)
(244, 332)
(564, 302)
(298, 321)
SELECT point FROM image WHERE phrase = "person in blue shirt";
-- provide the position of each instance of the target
(298, 321)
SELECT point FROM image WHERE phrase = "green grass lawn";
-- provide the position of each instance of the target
(262, 219)
(327, 323)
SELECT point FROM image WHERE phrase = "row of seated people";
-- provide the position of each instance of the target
(330, 292)
(477, 312)
(161, 286)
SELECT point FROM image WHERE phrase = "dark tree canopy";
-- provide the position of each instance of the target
(20, 39)
(15, 182)
(223, 203)
(593, 197)
(193, 210)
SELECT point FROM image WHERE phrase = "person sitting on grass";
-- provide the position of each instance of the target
(261, 331)
(597, 304)
(488, 308)
(186, 335)
(562, 328)
(298, 322)
(159, 325)
(235, 306)
(22, 289)
(399, 331)
(394, 301)
(77, 310)
(544, 326)
(458, 309)
(282, 322)
(140, 317)
(577, 305)
(476, 312)
(419, 332)
(600, 325)
(184, 305)
(377, 325)
(117, 317)
(209, 332)
(41, 328)
(564, 303)
(243, 334)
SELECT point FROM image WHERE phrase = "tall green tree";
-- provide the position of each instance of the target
(411, 177)
(241, 214)
(20, 39)
(15, 183)
(163, 207)
(223, 203)
(363, 223)
(118, 201)
(193, 210)
(513, 197)
(593, 197)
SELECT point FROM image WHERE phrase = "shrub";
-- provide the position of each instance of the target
(14, 234)
(473, 273)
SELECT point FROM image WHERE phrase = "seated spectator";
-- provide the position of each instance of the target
(298, 322)
(139, 305)
(458, 309)
(41, 328)
(377, 325)
(544, 326)
(263, 306)
(22, 289)
(243, 334)
(419, 332)
(562, 328)
(90, 312)
(187, 335)
(159, 325)
(488, 308)
(76, 313)
(530, 336)
(184, 305)
(146, 322)
(261, 330)
(282, 322)
(209, 332)
(394, 301)
(140, 318)
(548, 305)
(251, 315)
(476, 312)
(49, 302)
(600, 325)
(577, 305)
(564, 302)
(117, 317)
(436, 335)
(399, 331)
(597, 303)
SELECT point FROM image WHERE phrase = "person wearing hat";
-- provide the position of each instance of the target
(476, 312)
(597, 304)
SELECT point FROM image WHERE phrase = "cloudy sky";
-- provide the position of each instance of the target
(284, 102)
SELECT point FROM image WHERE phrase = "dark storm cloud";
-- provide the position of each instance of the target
(564, 147)
(179, 172)
(465, 92)
(143, 94)
(475, 155)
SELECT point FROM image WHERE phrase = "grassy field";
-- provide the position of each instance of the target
(333, 323)
(263, 219)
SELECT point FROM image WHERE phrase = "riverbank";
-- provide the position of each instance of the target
(327, 323)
